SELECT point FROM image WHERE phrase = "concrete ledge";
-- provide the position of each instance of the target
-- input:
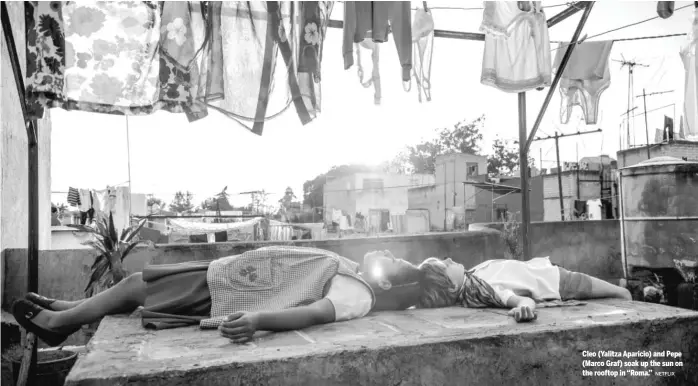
(452, 346)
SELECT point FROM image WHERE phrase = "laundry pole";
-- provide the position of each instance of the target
(525, 144)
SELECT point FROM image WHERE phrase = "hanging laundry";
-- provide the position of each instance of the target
(594, 209)
(422, 50)
(374, 20)
(517, 47)
(587, 75)
(580, 208)
(665, 9)
(690, 100)
(315, 18)
(73, 197)
(375, 79)
(184, 37)
(253, 87)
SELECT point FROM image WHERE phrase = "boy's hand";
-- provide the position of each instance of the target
(240, 326)
(523, 314)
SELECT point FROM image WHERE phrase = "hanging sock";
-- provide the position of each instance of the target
(586, 77)
(373, 20)
(517, 47)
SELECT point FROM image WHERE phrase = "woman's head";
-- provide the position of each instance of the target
(395, 282)
(441, 281)
(386, 270)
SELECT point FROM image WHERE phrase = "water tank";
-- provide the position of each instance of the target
(659, 204)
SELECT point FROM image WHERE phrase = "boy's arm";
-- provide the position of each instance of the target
(241, 326)
(522, 308)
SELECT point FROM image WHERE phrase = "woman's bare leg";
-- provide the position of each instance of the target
(124, 297)
(603, 289)
(62, 305)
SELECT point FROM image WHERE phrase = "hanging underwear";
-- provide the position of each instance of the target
(665, 9)
(373, 20)
(422, 50)
(586, 77)
(375, 79)
(517, 47)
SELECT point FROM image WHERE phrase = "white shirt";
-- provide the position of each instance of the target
(351, 299)
(536, 278)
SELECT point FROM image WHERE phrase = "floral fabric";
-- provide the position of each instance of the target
(134, 58)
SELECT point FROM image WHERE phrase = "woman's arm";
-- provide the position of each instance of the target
(241, 326)
(522, 308)
(297, 318)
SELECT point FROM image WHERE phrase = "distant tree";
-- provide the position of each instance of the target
(463, 137)
(154, 200)
(218, 202)
(182, 202)
(503, 160)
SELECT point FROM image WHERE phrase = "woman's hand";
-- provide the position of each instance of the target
(523, 314)
(240, 326)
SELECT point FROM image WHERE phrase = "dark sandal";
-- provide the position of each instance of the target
(40, 301)
(24, 311)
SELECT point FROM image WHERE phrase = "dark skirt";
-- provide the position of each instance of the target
(177, 295)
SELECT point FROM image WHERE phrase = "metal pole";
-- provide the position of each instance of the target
(523, 167)
(31, 127)
(647, 130)
(559, 177)
(445, 187)
(558, 74)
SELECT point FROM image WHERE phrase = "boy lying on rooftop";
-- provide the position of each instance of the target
(271, 289)
(513, 284)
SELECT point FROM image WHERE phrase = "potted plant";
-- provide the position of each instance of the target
(688, 290)
(107, 269)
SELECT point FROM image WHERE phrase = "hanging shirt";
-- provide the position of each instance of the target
(373, 20)
(517, 47)
(422, 50)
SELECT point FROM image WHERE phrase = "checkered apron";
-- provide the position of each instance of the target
(272, 279)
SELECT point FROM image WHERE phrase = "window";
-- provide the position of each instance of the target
(472, 169)
(373, 183)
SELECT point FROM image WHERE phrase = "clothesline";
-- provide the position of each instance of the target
(480, 8)
(627, 26)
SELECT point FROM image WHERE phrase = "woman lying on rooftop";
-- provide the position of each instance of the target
(269, 289)
(513, 284)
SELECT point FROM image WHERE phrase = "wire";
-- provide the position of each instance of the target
(628, 26)
(481, 8)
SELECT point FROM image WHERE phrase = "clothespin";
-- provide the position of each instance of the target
(426, 9)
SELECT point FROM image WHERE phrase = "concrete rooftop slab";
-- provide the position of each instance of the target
(451, 346)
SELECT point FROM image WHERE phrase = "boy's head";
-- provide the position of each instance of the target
(441, 282)
(395, 282)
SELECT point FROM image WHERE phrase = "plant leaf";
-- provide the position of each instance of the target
(133, 232)
(130, 247)
(99, 269)
(112, 230)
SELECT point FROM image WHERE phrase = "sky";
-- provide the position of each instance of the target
(168, 154)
